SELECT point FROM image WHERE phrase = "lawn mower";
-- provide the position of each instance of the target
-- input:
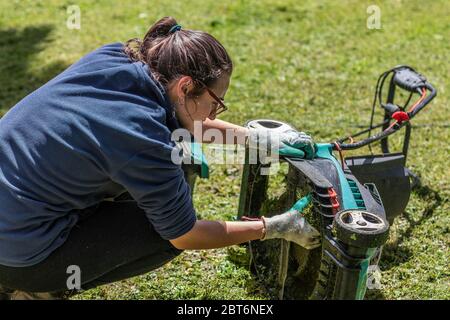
(351, 201)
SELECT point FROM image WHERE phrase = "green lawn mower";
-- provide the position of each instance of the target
(351, 201)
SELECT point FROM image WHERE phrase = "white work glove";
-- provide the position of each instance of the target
(287, 141)
(291, 226)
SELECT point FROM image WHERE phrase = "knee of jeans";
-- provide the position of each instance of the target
(176, 251)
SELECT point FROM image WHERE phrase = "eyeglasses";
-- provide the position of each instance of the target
(221, 107)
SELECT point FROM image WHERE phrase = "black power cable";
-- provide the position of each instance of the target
(378, 86)
(378, 94)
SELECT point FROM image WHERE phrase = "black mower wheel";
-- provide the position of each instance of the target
(361, 229)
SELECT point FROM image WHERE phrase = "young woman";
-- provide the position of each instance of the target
(99, 129)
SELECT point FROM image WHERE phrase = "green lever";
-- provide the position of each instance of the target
(301, 204)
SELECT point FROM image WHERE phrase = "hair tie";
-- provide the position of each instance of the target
(176, 27)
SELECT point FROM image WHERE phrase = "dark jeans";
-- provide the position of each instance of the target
(112, 241)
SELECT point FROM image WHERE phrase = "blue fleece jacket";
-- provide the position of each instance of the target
(101, 127)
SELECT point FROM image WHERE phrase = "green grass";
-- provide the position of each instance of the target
(311, 63)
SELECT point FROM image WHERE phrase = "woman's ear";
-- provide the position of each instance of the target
(184, 86)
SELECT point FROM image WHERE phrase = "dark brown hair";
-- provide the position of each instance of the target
(171, 54)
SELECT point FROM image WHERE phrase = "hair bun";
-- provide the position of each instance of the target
(191, 53)
(162, 28)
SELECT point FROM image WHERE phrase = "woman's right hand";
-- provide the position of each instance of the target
(291, 226)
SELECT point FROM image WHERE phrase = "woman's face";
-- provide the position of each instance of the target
(191, 108)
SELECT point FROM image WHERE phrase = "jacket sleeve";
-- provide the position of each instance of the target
(159, 187)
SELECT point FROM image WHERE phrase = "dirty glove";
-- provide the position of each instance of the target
(289, 142)
(292, 226)
(294, 139)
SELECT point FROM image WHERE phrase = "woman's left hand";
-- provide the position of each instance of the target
(289, 142)
(297, 140)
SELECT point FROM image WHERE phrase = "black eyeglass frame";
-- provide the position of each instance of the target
(222, 107)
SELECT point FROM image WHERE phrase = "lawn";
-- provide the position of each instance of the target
(313, 64)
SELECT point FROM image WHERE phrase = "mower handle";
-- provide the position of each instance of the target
(392, 129)
(425, 101)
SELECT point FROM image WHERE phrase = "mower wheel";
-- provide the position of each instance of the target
(361, 229)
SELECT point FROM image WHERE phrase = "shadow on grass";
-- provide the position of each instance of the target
(394, 255)
(18, 47)
(241, 257)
